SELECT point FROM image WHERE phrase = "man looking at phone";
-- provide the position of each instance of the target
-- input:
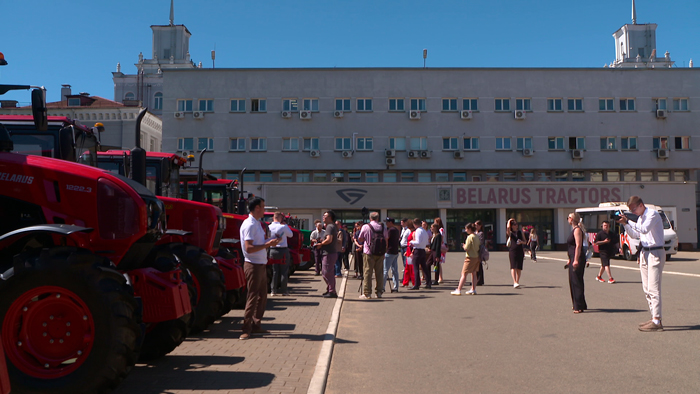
(649, 229)
(329, 254)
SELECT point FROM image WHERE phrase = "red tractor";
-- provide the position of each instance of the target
(81, 277)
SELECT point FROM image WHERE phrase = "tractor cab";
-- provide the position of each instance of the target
(162, 169)
(222, 193)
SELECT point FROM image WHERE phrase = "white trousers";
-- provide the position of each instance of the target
(651, 265)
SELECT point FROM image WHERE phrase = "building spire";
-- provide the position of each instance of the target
(634, 14)
(172, 12)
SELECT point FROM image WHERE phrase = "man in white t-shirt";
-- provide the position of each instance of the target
(254, 247)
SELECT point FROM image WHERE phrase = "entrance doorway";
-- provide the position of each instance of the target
(458, 218)
(539, 220)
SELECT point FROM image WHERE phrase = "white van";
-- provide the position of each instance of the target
(593, 218)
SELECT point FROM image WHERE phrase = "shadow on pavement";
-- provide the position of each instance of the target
(682, 328)
(610, 310)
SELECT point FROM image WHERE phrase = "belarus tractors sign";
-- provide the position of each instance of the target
(533, 196)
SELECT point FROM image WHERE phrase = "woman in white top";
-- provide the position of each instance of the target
(533, 242)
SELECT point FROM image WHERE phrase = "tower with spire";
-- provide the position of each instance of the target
(635, 46)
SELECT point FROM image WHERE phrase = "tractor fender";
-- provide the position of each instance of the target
(61, 229)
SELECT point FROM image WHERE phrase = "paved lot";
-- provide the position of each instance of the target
(522, 340)
(218, 362)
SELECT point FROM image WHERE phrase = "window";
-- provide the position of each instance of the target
(502, 104)
(606, 104)
(290, 144)
(578, 176)
(682, 143)
(523, 143)
(238, 105)
(628, 143)
(74, 102)
(646, 176)
(407, 177)
(503, 143)
(290, 104)
(364, 143)
(544, 176)
(364, 104)
(343, 143)
(660, 103)
(342, 104)
(522, 104)
(442, 177)
(510, 177)
(258, 144)
(660, 143)
(185, 144)
(627, 104)
(608, 143)
(372, 177)
(320, 177)
(203, 143)
(354, 177)
(157, 101)
(237, 144)
(527, 176)
(206, 105)
(679, 176)
(265, 177)
(577, 143)
(310, 143)
(492, 177)
(417, 104)
(311, 104)
(629, 176)
(249, 177)
(303, 176)
(337, 177)
(450, 143)
(575, 104)
(396, 104)
(285, 177)
(459, 177)
(561, 176)
(554, 104)
(471, 143)
(596, 176)
(424, 177)
(680, 104)
(419, 143)
(184, 105)
(470, 104)
(258, 105)
(663, 176)
(449, 104)
(389, 177)
(397, 143)
(129, 96)
(476, 178)
(555, 143)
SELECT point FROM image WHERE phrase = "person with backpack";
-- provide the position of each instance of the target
(374, 237)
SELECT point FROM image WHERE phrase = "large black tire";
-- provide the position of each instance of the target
(68, 282)
(210, 286)
(236, 299)
(627, 254)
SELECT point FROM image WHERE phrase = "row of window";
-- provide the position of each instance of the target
(463, 176)
(418, 104)
(157, 100)
(421, 143)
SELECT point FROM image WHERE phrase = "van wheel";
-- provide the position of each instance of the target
(628, 255)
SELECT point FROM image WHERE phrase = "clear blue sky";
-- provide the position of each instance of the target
(80, 42)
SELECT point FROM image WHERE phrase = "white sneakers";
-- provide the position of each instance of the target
(456, 292)
(364, 297)
(470, 292)
(516, 285)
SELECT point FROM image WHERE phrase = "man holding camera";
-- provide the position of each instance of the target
(649, 229)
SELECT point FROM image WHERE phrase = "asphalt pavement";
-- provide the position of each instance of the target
(523, 340)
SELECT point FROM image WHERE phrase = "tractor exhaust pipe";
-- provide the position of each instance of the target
(138, 154)
(198, 193)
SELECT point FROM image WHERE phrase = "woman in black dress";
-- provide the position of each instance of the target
(482, 246)
(515, 251)
(577, 263)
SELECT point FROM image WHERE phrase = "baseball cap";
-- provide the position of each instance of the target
(391, 220)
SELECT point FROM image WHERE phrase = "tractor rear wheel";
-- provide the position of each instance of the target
(69, 323)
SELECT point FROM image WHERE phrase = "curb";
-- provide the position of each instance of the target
(320, 376)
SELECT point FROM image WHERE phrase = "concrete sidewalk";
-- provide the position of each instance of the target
(216, 361)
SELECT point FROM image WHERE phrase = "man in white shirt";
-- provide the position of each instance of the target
(419, 242)
(317, 236)
(280, 272)
(649, 229)
(254, 247)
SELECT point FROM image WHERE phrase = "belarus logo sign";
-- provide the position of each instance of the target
(351, 196)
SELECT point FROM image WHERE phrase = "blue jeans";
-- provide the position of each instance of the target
(391, 261)
(339, 264)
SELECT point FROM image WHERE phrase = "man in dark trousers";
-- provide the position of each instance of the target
(420, 241)
(607, 242)
(391, 258)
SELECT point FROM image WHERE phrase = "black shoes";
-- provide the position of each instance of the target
(330, 295)
(394, 291)
(414, 288)
(435, 283)
(325, 294)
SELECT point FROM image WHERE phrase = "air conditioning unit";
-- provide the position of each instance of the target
(287, 114)
(306, 115)
(527, 152)
(390, 153)
(413, 154)
(661, 114)
(465, 114)
(577, 154)
(347, 153)
(662, 153)
(338, 114)
(390, 161)
(520, 115)
(414, 115)
(179, 115)
(458, 154)
(315, 153)
(425, 154)
(198, 115)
